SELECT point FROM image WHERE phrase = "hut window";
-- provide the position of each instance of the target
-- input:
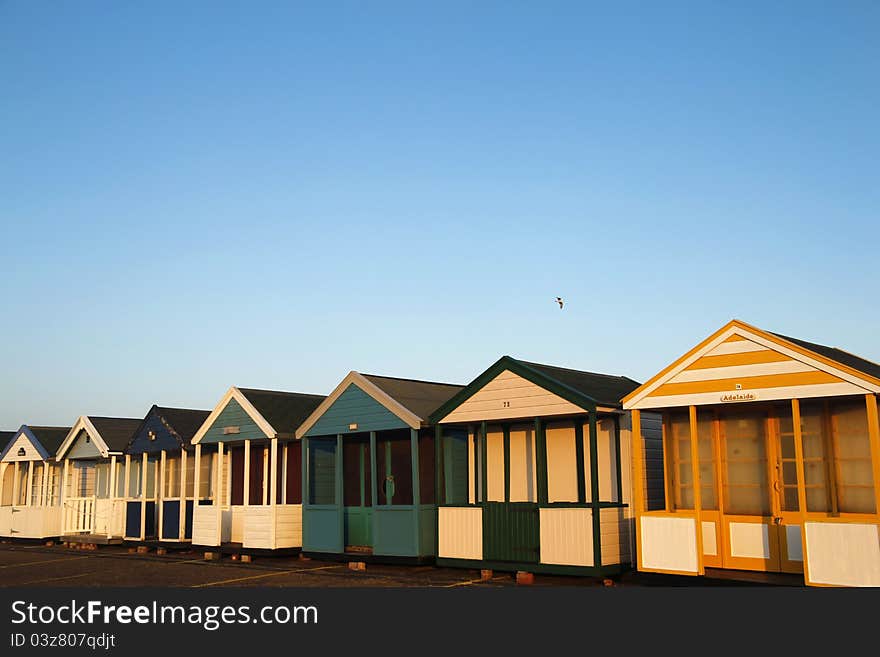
(207, 466)
(134, 478)
(357, 477)
(852, 457)
(172, 476)
(523, 482)
(815, 439)
(680, 473)
(54, 485)
(453, 467)
(102, 480)
(150, 478)
(322, 471)
(190, 476)
(494, 464)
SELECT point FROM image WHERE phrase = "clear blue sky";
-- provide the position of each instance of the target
(198, 195)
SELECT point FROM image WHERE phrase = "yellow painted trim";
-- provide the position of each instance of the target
(747, 383)
(801, 487)
(637, 477)
(874, 439)
(732, 360)
(697, 486)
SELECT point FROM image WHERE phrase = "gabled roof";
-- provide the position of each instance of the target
(582, 388)
(409, 399)
(838, 356)
(6, 437)
(50, 437)
(110, 434)
(184, 422)
(276, 413)
(285, 411)
(801, 368)
(420, 397)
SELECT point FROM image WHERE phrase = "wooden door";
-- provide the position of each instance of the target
(511, 532)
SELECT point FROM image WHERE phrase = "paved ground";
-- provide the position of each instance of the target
(36, 565)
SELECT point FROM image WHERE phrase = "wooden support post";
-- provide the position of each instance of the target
(695, 478)
(874, 440)
(484, 468)
(338, 498)
(416, 489)
(594, 489)
(273, 472)
(144, 464)
(439, 489)
(160, 499)
(181, 520)
(801, 479)
(265, 476)
(273, 492)
(218, 493)
(505, 440)
(112, 496)
(197, 477)
(247, 473)
(284, 474)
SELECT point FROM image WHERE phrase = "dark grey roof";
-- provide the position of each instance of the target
(115, 431)
(50, 437)
(183, 421)
(606, 389)
(838, 355)
(5, 437)
(419, 397)
(285, 411)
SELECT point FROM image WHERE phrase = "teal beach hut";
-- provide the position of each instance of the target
(368, 468)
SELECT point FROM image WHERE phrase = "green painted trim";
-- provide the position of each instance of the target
(617, 454)
(594, 490)
(374, 469)
(517, 367)
(541, 458)
(416, 485)
(540, 568)
(579, 458)
(438, 454)
(472, 458)
(505, 429)
(484, 466)
(339, 491)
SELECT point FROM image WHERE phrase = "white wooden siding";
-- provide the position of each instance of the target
(236, 527)
(616, 531)
(843, 554)
(669, 544)
(30, 452)
(258, 522)
(33, 522)
(749, 539)
(567, 536)
(460, 532)
(205, 525)
(509, 395)
(710, 539)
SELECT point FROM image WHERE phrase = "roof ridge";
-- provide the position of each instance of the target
(400, 378)
(791, 338)
(281, 392)
(570, 369)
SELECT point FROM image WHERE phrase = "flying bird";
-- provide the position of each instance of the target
(559, 301)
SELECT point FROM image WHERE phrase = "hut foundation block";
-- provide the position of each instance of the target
(524, 578)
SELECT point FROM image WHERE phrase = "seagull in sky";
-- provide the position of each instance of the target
(559, 301)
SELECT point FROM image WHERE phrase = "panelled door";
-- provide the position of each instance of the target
(511, 532)
(357, 492)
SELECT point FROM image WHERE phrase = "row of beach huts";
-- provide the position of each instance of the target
(752, 452)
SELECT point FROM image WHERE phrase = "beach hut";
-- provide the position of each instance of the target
(369, 468)
(533, 472)
(93, 479)
(257, 498)
(164, 510)
(772, 460)
(30, 506)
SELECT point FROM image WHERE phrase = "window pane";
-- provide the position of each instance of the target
(745, 491)
(454, 466)
(394, 460)
(706, 447)
(523, 482)
(322, 471)
(562, 485)
(855, 479)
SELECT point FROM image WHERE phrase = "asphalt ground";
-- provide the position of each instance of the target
(39, 565)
